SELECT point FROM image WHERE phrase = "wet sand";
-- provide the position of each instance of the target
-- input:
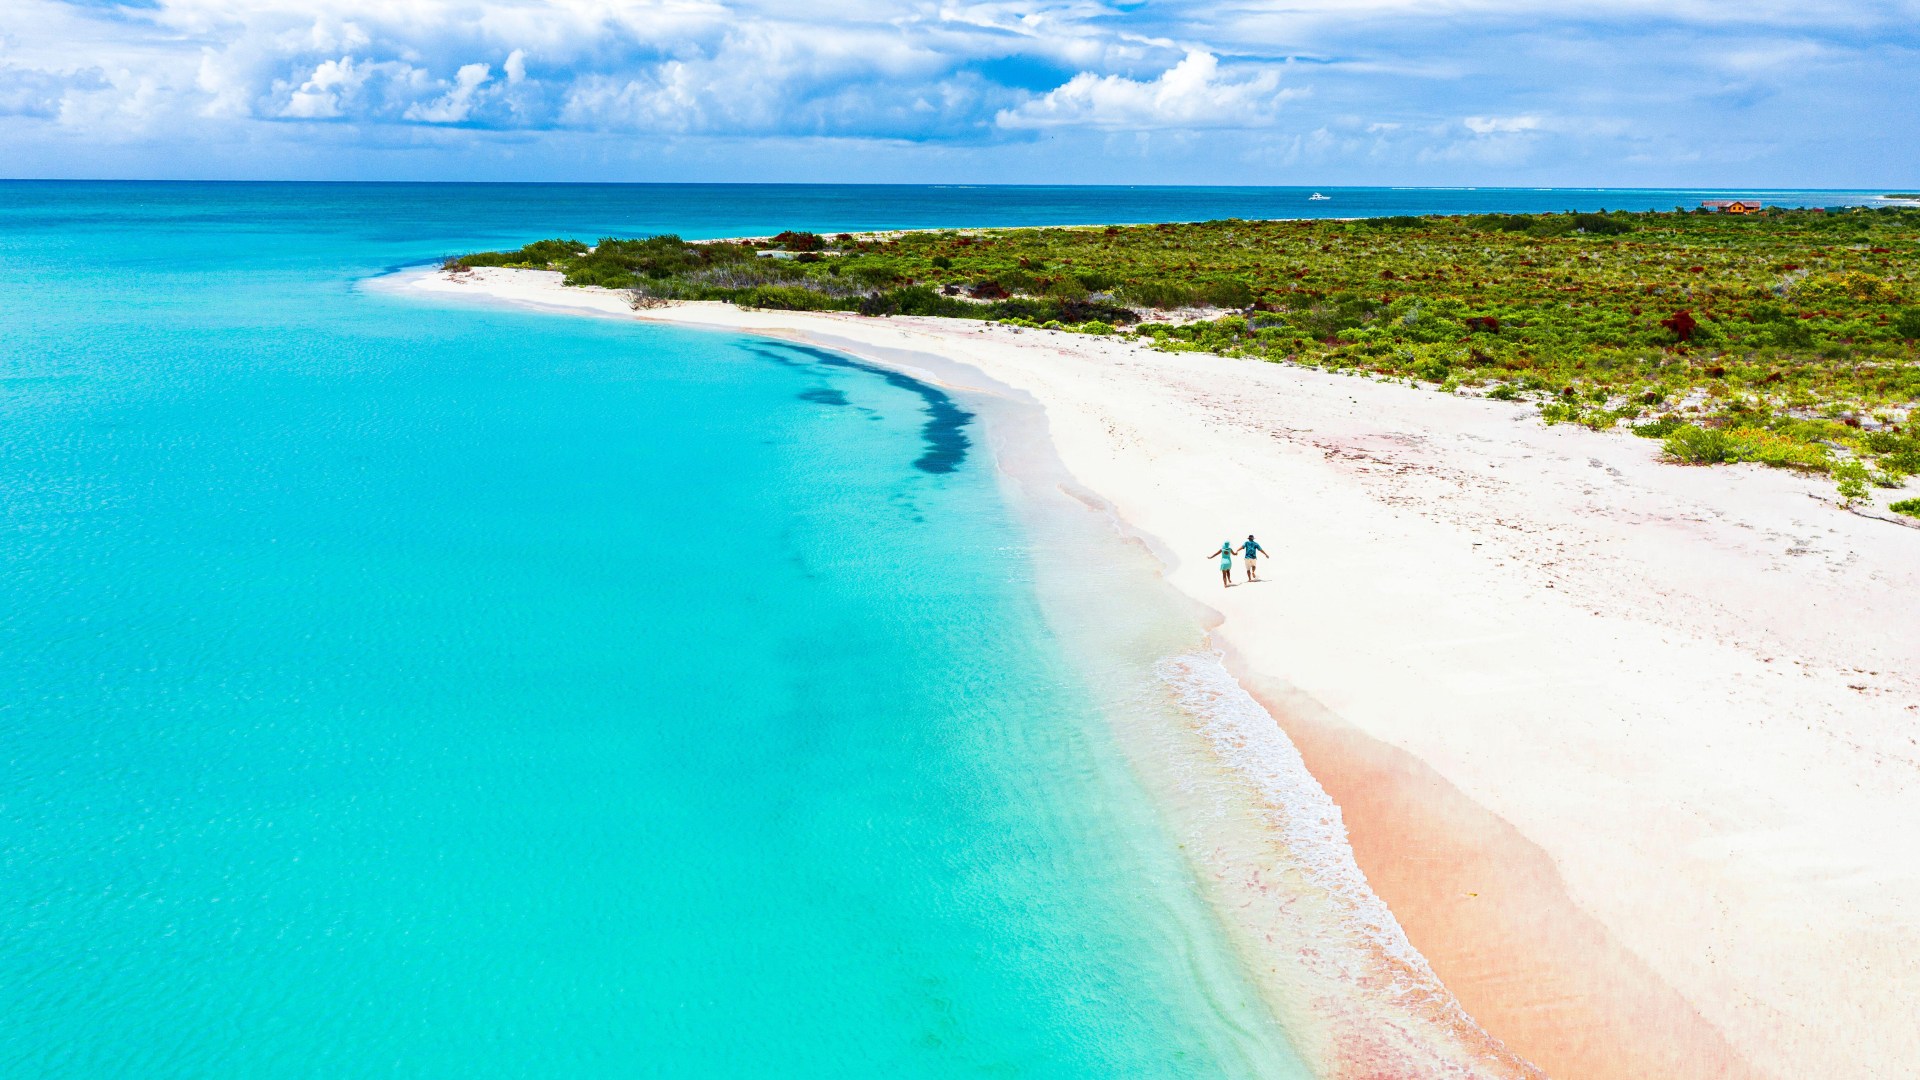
(1493, 918)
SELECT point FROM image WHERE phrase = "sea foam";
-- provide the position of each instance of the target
(1351, 987)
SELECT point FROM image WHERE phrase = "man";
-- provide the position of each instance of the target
(1251, 553)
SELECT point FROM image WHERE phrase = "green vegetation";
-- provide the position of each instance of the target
(1909, 507)
(1788, 337)
(1851, 476)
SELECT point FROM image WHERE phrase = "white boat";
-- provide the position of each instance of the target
(1317, 197)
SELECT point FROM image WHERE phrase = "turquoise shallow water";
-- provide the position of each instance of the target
(397, 690)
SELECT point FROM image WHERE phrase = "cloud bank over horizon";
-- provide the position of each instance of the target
(1075, 91)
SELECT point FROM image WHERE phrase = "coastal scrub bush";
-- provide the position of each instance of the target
(1800, 332)
(1909, 507)
(538, 255)
(1434, 369)
(1601, 224)
(616, 264)
(1067, 289)
(1851, 477)
(923, 300)
(800, 241)
(1776, 449)
(1898, 452)
(1848, 285)
(1157, 294)
(1787, 334)
(1227, 293)
(785, 298)
(1696, 445)
(548, 252)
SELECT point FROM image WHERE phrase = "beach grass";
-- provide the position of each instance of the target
(1790, 337)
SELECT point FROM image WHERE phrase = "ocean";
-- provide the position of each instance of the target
(398, 690)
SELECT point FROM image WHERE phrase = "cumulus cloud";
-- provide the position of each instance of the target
(457, 103)
(27, 92)
(1194, 93)
(1367, 85)
(319, 97)
(1500, 125)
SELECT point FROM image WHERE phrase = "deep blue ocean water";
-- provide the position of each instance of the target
(400, 690)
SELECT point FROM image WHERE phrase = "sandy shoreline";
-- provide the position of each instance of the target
(1628, 749)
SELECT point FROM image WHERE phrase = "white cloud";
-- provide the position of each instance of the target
(457, 103)
(28, 92)
(347, 87)
(319, 96)
(1496, 85)
(1501, 125)
(1194, 93)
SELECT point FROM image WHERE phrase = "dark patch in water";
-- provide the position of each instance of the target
(944, 432)
(823, 396)
(767, 354)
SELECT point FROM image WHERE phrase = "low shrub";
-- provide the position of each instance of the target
(1909, 507)
(1778, 450)
(1696, 445)
(1852, 482)
(1159, 295)
(1225, 294)
(794, 240)
(1601, 225)
(783, 298)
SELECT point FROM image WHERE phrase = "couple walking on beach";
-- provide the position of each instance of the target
(1249, 551)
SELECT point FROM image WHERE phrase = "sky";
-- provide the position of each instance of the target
(1768, 93)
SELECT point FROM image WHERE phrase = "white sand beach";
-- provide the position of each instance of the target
(1631, 750)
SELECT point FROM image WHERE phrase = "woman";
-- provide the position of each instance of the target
(1225, 555)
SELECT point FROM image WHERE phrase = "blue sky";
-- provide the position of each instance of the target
(1316, 92)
